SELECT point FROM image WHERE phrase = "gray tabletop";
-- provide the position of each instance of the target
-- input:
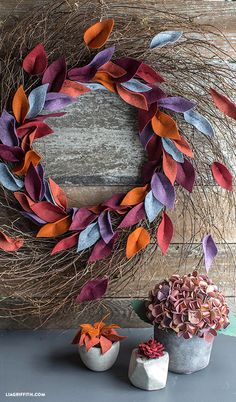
(45, 362)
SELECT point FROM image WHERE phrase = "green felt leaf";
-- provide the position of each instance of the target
(231, 329)
(140, 309)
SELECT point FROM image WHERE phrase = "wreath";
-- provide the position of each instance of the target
(94, 231)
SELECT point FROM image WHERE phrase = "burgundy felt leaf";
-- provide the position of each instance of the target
(222, 175)
(93, 290)
(154, 94)
(47, 211)
(8, 243)
(146, 135)
(145, 116)
(105, 226)
(210, 250)
(163, 190)
(135, 215)
(101, 250)
(130, 66)
(147, 171)
(36, 61)
(165, 233)
(114, 201)
(154, 149)
(224, 104)
(34, 184)
(8, 129)
(11, 154)
(55, 74)
(43, 117)
(186, 175)
(66, 243)
(82, 218)
(38, 128)
(148, 74)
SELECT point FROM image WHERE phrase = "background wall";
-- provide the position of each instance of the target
(91, 161)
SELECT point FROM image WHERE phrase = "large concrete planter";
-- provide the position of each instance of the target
(96, 361)
(186, 355)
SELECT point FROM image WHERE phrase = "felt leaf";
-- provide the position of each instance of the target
(55, 75)
(8, 130)
(97, 35)
(25, 201)
(105, 226)
(59, 196)
(34, 218)
(137, 240)
(93, 86)
(36, 61)
(105, 343)
(164, 126)
(47, 211)
(104, 79)
(148, 74)
(165, 233)
(88, 237)
(184, 147)
(145, 116)
(186, 175)
(20, 105)
(200, 122)
(137, 100)
(176, 103)
(135, 86)
(43, 117)
(130, 66)
(8, 243)
(139, 307)
(31, 157)
(148, 169)
(56, 228)
(10, 153)
(222, 175)
(101, 250)
(165, 38)
(224, 104)
(231, 329)
(154, 94)
(74, 89)
(82, 218)
(171, 149)
(8, 180)
(36, 100)
(210, 250)
(134, 216)
(93, 290)
(154, 148)
(113, 203)
(56, 101)
(34, 183)
(169, 166)
(152, 206)
(134, 196)
(163, 189)
(146, 135)
(113, 69)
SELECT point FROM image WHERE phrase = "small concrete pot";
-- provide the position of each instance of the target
(186, 355)
(95, 360)
(148, 374)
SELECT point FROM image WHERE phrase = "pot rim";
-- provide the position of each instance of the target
(96, 348)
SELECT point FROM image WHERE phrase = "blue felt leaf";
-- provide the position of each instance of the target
(8, 180)
(88, 237)
(164, 38)
(200, 122)
(171, 149)
(8, 130)
(152, 206)
(136, 86)
(36, 100)
(93, 86)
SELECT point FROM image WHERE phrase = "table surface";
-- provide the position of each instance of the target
(44, 361)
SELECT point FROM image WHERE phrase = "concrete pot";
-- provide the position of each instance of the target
(148, 374)
(95, 360)
(186, 355)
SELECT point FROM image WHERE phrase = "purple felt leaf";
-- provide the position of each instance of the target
(130, 65)
(56, 101)
(34, 218)
(8, 129)
(186, 175)
(11, 154)
(105, 226)
(86, 73)
(82, 218)
(135, 215)
(55, 75)
(146, 135)
(163, 189)
(92, 290)
(154, 94)
(148, 170)
(34, 184)
(176, 103)
(102, 250)
(210, 250)
(145, 116)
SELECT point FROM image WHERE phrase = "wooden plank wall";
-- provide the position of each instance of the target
(92, 161)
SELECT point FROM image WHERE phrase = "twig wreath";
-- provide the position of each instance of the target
(94, 232)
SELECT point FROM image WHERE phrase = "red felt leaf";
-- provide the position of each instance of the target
(58, 194)
(169, 167)
(165, 233)
(92, 290)
(105, 343)
(133, 98)
(73, 88)
(47, 211)
(39, 128)
(183, 147)
(25, 201)
(148, 74)
(224, 104)
(55, 75)
(9, 243)
(66, 243)
(222, 175)
(186, 175)
(36, 61)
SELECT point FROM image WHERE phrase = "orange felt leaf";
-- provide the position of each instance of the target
(169, 167)
(30, 157)
(58, 194)
(183, 146)
(105, 343)
(97, 35)
(137, 240)
(25, 201)
(104, 79)
(20, 105)
(91, 343)
(135, 196)
(56, 228)
(135, 99)
(164, 126)
(9, 243)
(73, 88)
